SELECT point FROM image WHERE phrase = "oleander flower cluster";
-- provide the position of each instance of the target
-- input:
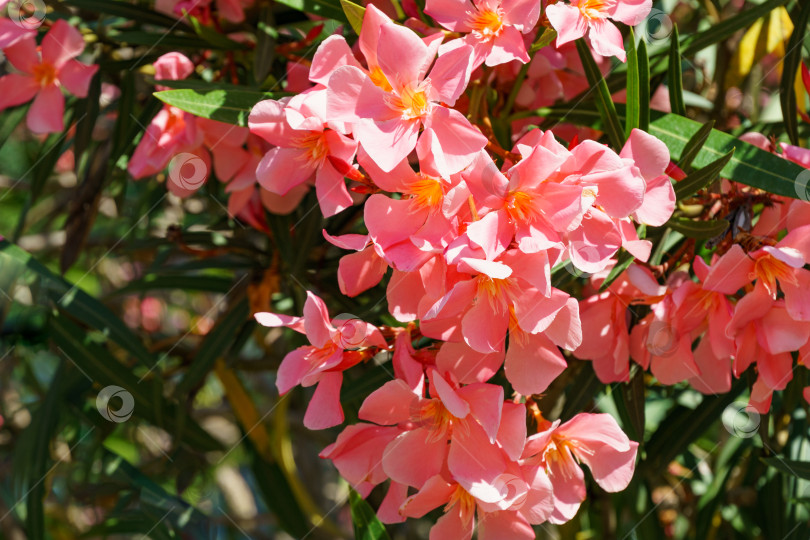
(468, 235)
(465, 233)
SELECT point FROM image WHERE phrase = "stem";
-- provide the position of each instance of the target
(510, 100)
(398, 9)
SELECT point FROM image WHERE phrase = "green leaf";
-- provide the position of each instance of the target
(366, 524)
(683, 425)
(323, 8)
(790, 67)
(126, 10)
(697, 229)
(749, 165)
(132, 129)
(675, 76)
(151, 282)
(212, 37)
(278, 495)
(643, 86)
(629, 399)
(607, 110)
(584, 387)
(633, 110)
(701, 178)
(32, 456)
(10, 120)
(80, 305)
(266, 39)
(694, 145)
(728, 27)
(545, 39)
(624, 260)
(216, 343)
(173, 41)
(103, 368)
(797, 469)
(354, 14)
(229, 106)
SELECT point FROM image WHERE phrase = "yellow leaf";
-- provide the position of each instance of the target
(244, 409)
(760, 40)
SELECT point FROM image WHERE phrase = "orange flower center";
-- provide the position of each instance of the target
(500, 293)
(412, 101)
(434, 417)
(519, 206)
(769, 269)
(563, 453)
(466, 504)
(314, 146)
(426, 192)
(44, 74)
(592, 9)
(486, 24)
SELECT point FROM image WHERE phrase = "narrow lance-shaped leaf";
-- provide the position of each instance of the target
(698, 229)
(354, 14)
(612, 124)
(229, 106)
(633, 112)
(694, 145)
(674, 75)
(323, 8)
(79, 304)
(624, 261)
(790, 67)
(797, 469)
(643, 86)
(701, 178)
(366, 524)
(749, 165)
(728, 27)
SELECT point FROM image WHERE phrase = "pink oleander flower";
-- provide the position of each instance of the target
(496, 288)
(358, 453)
(582, 198)
(468, 431)
(605, 320)
(44, 72)
(387, 105)
(237, 168)
(303, 141)
(531, 502)
(335, 345)
(778, 267)
(11, 32)
(592, 439)
(590, 17)
(171, 131)
(659, 343)
(493, 28)
(700, 311)
(765, 334)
